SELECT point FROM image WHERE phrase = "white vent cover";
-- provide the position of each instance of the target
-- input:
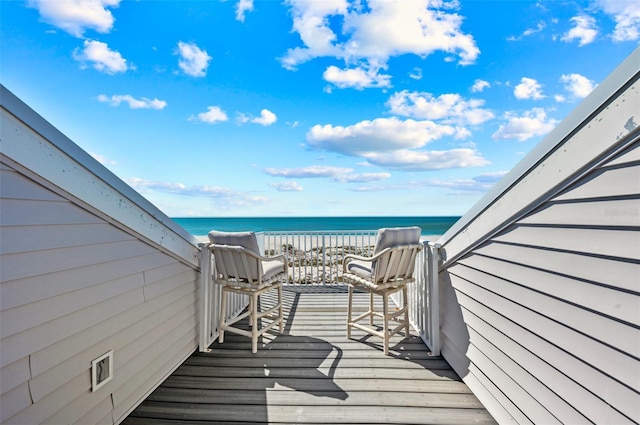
(101, 370)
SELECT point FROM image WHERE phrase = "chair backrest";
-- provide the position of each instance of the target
(399, 261)
(233, 262)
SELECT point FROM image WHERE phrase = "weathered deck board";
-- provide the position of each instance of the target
(313, 374)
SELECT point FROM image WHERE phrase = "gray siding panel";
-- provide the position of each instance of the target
(575, 240)
(76, 282)
(541, 294)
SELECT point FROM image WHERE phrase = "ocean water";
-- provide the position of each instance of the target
(200, 226)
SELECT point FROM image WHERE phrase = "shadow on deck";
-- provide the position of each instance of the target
(313, 374)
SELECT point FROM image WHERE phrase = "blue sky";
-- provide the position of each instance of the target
(310, 108)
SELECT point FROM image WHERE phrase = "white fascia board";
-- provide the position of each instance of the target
(593, 104)
(31, 141)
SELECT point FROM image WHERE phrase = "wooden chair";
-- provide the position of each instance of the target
(388, 271)
(240, 269)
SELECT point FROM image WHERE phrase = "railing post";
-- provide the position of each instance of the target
(324, 262)
(204, 319)
(434, 297)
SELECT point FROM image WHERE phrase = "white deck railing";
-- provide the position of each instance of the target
(315, 258)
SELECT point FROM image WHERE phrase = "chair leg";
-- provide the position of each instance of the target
(405, 305)
(223, 314)
(370, 308)
(385, 320)
(254, 323)
(280, 315)
(349, 311)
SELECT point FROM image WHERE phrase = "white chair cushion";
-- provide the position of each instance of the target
(246, 240)
(394, 236)
(360, 268)
(390, 237)
(271, 269)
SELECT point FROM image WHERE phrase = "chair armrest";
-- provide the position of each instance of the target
(279, 257)
(350, 257)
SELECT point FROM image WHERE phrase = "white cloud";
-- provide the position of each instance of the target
(76, 16)
(449, 108)
(213, 115)
(223, 195)
(480, 85)
(528, 32)
(102, 58)
(416, 160)
(193, 60)
(362, 178)
(626, 14)
(532, 123)
(528, 89)
(416, 74)
(578, 85)
(393, 144)
(142, 103)
(370, 34)
(379, 135)
(102, 159)
(242, 7)
(266, 118)
(585, 30)
(314, 171)
(473, 186)
(287, 187)
(358, 78)
(338, 174)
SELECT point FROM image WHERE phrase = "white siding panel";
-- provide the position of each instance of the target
(535, 411)
(13, 401)
(112, 333)
(613, 393)
(178, 324)
(14, 186)
(502, 409)
(19, 212)
(606, 271)
(606, 183)
(37, 413)
(35, 288)
(51, 379)
(620, 212)
(24, 343)
(617, 304)
(97, 413)
(603, 331)
(162, 286)
(590, 351)
(34, 263)
(164, 271)
(620, 244)
(631, 155)
(151, 372)
(31, 315)
(19, 239)
(14, 374)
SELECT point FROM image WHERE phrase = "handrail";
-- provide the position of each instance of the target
(316, 257)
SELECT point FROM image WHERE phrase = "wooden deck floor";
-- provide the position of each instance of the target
(313, 374)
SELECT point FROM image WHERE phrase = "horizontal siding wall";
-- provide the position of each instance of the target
(541, 318)
(74, 285)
